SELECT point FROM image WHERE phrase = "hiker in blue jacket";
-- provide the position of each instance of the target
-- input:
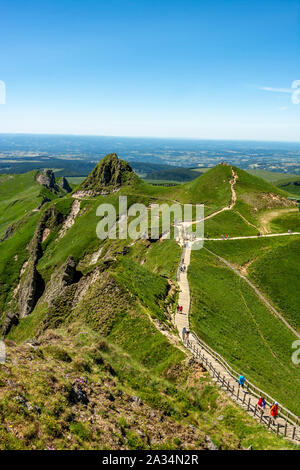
(242, 381)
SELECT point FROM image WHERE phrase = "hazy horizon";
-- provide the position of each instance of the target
(178, 138)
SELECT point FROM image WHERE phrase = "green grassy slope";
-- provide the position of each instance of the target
(277, 273)
(273, 265)
(228, 222)
(176, 410)
(228, 316)
(19, 194)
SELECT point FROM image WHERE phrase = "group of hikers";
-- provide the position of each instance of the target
(183, 268)
(262, 401)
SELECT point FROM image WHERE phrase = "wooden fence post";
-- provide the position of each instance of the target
(277, 430)
(285, 429)
(261, 415)
(294, 432)
(249, 401)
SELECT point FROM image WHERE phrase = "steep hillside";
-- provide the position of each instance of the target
(100, 313)
(19, 194)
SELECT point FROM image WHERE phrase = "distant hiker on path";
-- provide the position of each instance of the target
(274, 411)
(183, 333)
(242, 381)
(187, 334)
(262, 403)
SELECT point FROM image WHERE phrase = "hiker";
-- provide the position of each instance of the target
(274, 411)
(183, 333)
(187, 334)
(178, 308)
(262, 402)
(242, 381)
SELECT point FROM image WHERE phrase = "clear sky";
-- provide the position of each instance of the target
(170, 68)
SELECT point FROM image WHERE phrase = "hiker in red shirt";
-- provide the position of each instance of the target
(274, 411)
(262, 402)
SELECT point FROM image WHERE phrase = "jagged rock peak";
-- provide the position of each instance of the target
(47, 178)
(64, 185)
(110, 173)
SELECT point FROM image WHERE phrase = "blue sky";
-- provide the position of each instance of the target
(180, 68)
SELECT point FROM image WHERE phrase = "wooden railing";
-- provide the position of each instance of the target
(284, 413)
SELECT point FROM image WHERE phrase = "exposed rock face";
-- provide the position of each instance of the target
(9, 232)
(30, 290)
(109, 175)
(9, 321)
(69, 221)
(65, 276)
(64, 185)
(47, 179)
(32, 284)
(44, 201)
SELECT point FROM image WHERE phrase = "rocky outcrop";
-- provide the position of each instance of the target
(31, 284)
(47, 179)
(64, 185)
(63, 277)
(9, 231)
(44, 201)
(9, 321)
(31, 289)
(69, 221)
(109, 175)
